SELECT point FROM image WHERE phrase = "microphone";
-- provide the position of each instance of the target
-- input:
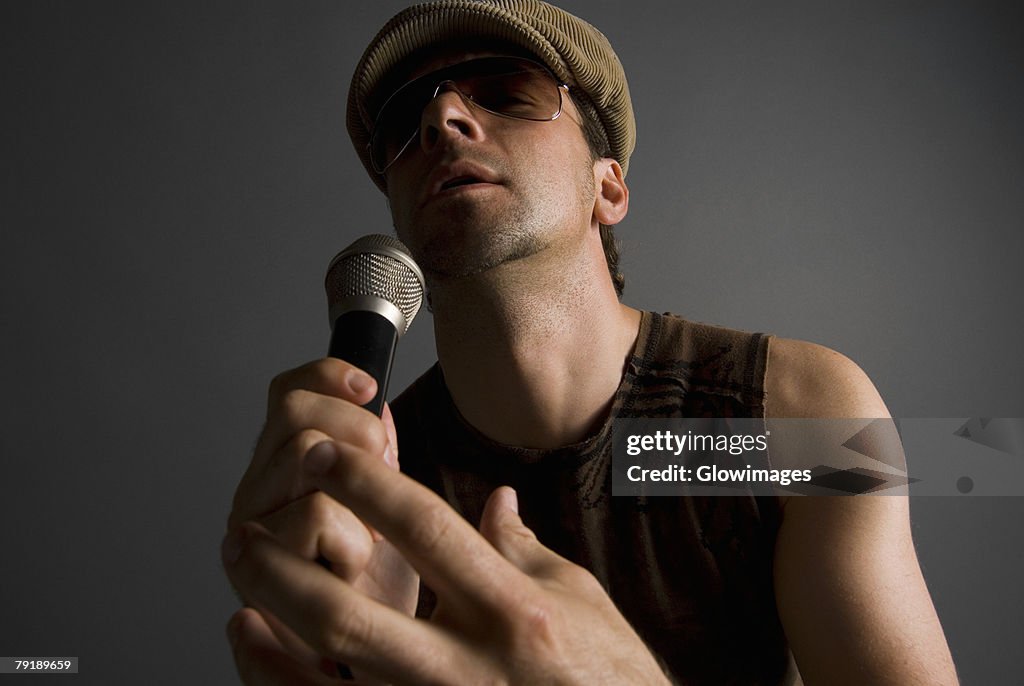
(374, 290)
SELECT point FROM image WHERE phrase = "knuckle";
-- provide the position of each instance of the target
(374, 437)
(293, 406)
(276, 479)
(335, 536)
(531, 626)
(278, 386)
(539, 621)
(580, 580)
(318, 511)
(285, 460)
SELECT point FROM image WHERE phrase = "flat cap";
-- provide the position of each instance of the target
(576, 52)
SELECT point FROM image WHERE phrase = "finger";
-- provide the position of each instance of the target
(501, 525)
(260, 658)
(267, 487)
(309, 662)
(317, 526)
(269, 484)
(293, 644)
(452, 557)
(306, 406)
(301, 409)
(327, 377)
(336, 620)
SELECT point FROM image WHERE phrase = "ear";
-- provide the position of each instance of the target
(611, 202)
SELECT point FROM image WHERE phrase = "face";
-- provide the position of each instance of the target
(476, 190)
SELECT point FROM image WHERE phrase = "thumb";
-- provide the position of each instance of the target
(501, 525)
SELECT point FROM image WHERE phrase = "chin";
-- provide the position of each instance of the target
(452, 257)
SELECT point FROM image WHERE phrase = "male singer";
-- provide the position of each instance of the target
(501, 133)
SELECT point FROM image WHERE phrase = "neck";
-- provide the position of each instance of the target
(532, 356)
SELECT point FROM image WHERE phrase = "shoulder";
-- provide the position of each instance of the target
(805, 379)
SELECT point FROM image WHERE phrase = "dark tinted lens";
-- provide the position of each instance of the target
(399, 120)
(524, 94)
(508, 86)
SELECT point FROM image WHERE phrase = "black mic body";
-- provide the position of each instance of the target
(374, 290)
(366, 340)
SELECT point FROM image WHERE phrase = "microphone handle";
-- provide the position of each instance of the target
(367, 340)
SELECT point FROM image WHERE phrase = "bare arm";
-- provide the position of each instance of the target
(848, 584)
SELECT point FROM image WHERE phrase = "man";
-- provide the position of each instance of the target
(501, 133)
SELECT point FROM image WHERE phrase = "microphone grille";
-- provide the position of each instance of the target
(375, 267)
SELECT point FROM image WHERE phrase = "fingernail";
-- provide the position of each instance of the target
(359, 381)
(231, 548)
(513, 503)
(390, 458)
(320, 458)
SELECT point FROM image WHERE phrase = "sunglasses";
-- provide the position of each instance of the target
(511, 87)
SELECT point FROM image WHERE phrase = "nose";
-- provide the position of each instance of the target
(447, 117)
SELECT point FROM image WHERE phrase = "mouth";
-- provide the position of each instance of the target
(454, 177)
(458, 181)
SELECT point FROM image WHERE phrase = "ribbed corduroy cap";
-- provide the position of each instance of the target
(575, 51)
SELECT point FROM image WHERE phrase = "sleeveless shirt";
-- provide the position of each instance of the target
(692, 575)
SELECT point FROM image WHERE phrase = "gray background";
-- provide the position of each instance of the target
(177, 175)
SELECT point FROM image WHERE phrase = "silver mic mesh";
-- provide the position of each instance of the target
(375, 266)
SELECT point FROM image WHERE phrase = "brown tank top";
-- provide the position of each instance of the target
(693, 575)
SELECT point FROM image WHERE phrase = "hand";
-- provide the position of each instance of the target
(315, 404)
(509, 610)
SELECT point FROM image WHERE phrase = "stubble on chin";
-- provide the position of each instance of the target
(471, 240)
